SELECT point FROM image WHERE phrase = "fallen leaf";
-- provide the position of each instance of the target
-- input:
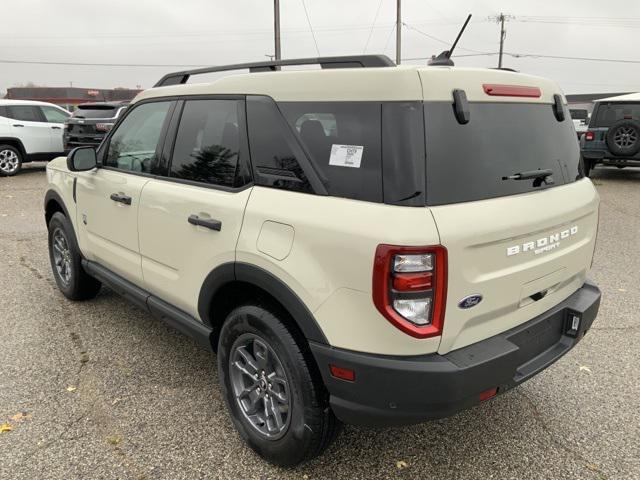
(5, 427)
(584, 368)
(71, 388)
(20, 416)
(401, 464)
(114, 439)
(593, 467)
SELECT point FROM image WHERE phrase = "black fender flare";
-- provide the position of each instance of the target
(53, 195)
(23, 152)
(261, 278)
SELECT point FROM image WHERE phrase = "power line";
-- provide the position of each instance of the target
(444, 42)
(475, 54)
(82, 64)
(310, 27)
(386, 44)
(563, 57)
(372, 25)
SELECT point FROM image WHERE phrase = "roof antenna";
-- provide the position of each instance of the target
(444, 59)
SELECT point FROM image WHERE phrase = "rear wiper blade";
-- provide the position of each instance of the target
(542, 174)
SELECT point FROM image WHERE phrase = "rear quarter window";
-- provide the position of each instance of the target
(343, 141)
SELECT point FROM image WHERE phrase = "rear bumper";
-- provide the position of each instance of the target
(402, 390)
(607, 157)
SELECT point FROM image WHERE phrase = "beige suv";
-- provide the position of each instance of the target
(364, 243)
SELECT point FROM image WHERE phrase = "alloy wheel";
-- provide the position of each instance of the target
(260, 386)
(625, 137)
(61, 256)
(8, 161)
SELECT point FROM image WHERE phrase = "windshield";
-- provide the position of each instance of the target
(481, 159)
(96, 111)
(610, 113)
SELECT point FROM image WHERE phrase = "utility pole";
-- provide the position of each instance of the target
(503, 33)
(276, 27)
(398, 33)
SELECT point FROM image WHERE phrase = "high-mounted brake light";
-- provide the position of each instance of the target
(589, 136)
(409, 287)
(511, 90)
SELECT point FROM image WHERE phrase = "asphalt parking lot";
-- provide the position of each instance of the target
(102, 390)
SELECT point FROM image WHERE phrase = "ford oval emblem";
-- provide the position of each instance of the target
(470, 301)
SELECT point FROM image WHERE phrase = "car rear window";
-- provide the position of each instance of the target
(610, 113)
(106, 111)
(471, 161)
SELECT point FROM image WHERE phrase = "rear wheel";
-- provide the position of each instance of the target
(66, 261)
(277, 404)
(10, 160)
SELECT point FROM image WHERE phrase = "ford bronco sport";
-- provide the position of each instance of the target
(365, 243)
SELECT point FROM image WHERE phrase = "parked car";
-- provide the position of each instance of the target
(29, 131)
(580, 118)
(359, 245)
(90, 122)
(613, 136)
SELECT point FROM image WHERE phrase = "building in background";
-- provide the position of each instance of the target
(69, 97)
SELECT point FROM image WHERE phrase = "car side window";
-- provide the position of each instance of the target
(210, 143)
(274, 155)
(27, 113)
(133, 145)
(54, 115)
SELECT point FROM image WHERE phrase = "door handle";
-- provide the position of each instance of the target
(116, 197)
(56, 128)
(18, 125)
(209, 223)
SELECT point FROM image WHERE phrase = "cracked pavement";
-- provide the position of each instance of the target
(109, 392)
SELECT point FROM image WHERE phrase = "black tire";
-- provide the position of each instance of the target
(10, 161)
(69, 275)
(310, 424)
(623, 138)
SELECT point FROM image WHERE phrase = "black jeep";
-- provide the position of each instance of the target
(613, 137)
(90, 122)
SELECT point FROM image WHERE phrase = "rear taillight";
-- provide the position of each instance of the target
(589, 136)
(409, 287)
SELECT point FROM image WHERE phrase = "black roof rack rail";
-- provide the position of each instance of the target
(350, 61)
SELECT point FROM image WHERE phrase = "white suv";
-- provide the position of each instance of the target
(366, 243)
(29, 131)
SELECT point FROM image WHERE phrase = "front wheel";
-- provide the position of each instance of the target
(66, 261)
(277, 403)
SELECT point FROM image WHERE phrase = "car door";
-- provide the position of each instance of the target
(108, 197)
(55, 118)
(190, 221)
(27, 124)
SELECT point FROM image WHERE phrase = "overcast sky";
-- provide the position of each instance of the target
(210, 32)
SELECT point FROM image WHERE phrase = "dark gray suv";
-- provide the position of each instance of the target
(613, 137)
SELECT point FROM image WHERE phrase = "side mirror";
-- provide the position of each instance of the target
(81, 159)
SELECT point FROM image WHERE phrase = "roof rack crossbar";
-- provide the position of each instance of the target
(355, 61)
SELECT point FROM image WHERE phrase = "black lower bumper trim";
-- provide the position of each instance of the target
(390, 390)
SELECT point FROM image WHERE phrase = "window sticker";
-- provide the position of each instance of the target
(346, 155)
